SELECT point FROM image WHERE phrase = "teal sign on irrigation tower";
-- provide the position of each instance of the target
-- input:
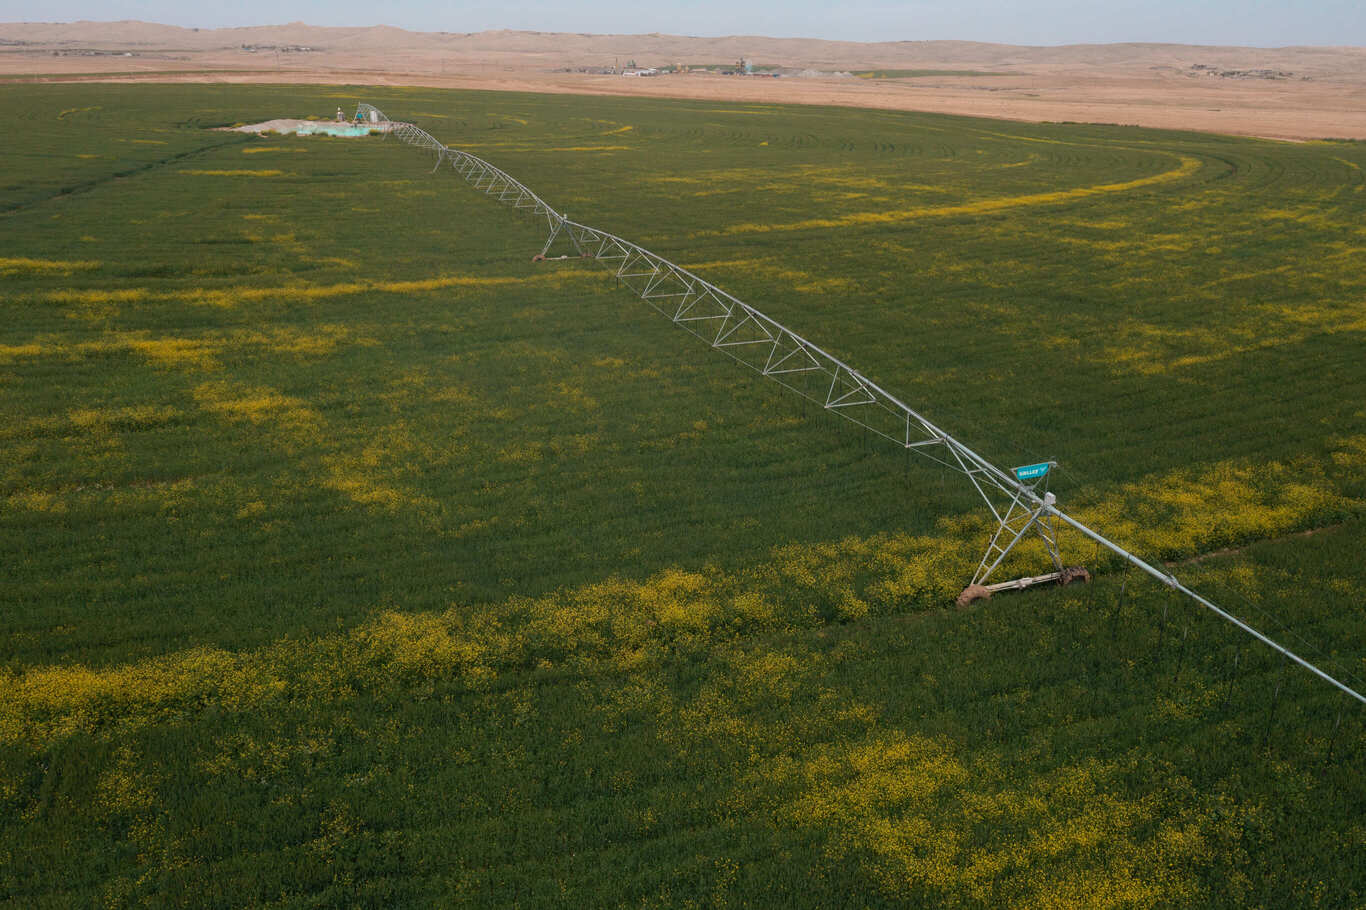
(1032, 471)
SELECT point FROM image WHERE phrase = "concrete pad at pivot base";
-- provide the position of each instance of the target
(313, 127)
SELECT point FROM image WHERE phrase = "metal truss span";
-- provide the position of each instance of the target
(1016, 499)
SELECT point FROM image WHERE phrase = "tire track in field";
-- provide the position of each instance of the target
(134, 171)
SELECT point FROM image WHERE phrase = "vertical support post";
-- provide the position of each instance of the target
(554, 232)
(1232, 677)
(1017, 519)
(1333, 737)
(1275, 699)
(1181, 654)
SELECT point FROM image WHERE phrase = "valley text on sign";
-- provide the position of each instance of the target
(1032, 471)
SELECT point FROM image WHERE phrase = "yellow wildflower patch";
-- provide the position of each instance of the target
(36, 501)
(436, 284)
(591, 148)
(9, 353)
(96, 296)
(1184, 510)
(21, 265)
(224, 172)
(173, 352)
(337, 261)
(347, 475)
(1187, 167)
(197, 353)
(778, 271)
(1153, 349)
(316, 341)
(232, 296)
(902, 806)
(365, 476)
(1099, 224)
(1189, 511)
(258, 405)
(368, 477)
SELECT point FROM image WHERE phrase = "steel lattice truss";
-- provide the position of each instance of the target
(1021, 508)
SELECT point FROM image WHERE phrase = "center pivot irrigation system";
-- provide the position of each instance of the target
(1018, 499)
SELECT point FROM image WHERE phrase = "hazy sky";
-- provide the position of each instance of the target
(1252, 22)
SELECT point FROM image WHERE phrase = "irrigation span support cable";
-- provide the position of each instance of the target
(742, 332)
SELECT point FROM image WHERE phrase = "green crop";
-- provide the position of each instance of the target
(352, 558)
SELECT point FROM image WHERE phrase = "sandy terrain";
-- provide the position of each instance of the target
(1304, 93)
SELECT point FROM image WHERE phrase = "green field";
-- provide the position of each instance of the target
(350, 558)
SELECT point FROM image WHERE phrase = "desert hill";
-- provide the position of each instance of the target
(571, 48)
(1286, 92)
